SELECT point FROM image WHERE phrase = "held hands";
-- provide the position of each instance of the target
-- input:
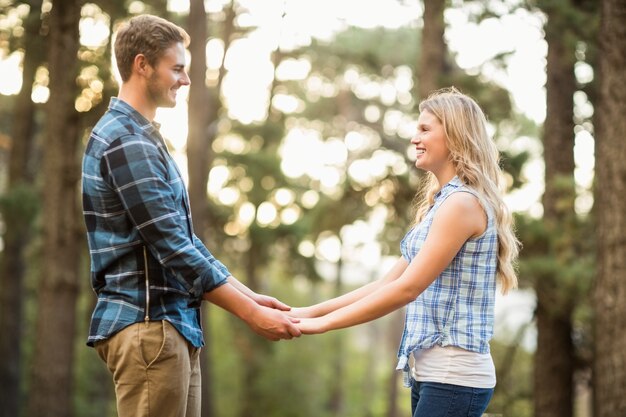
(273, 324)
(311, 320)
(262, 313)
(300, 320)
(304, 320)
(275, 320)
(270, 321)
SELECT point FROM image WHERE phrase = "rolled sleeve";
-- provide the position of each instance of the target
(207, 254)
(137, 170)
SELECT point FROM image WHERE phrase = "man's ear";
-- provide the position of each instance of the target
(141, 65)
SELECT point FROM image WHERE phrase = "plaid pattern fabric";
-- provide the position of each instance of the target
(139, 231)
(457, 309)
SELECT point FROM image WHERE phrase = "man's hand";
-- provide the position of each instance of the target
(271, 302)
(260, 299)
(272, 324)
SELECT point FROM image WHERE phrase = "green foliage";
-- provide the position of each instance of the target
(371, 50)
(558, 260)
(95, 398)
(495, 100)
(33, 257)
(297, 375)
(6, 105)
(295, 378)
(19, 206)
(563, 250)
(513, 393)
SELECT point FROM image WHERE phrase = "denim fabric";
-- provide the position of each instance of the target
(432, 399)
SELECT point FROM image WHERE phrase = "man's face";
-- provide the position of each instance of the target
(168, 76)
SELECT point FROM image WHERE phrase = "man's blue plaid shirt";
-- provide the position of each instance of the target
(457, 309)
(146, 262)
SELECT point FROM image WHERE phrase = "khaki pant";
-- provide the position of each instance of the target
(155, 370)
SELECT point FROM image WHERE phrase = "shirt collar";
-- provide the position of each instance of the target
(121, 106)
(451, 185)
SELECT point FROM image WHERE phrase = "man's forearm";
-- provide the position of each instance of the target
(241, 287)
(233, 300)
(267, 322)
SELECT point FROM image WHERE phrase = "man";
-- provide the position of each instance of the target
(148, 268)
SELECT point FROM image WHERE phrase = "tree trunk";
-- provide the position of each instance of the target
(203, 109)
(198, 140)
(396, 328)
(369, 377)
(610, 291)
(336, 400)
(18, 216)
(50, 393)
(431, 64)
(253, 348)
(554, 358)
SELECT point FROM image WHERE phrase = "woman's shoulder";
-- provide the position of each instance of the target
(463, 199)
(464, 210)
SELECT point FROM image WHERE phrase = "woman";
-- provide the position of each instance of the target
(462, 241)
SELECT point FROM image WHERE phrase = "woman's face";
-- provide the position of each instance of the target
(432, 153)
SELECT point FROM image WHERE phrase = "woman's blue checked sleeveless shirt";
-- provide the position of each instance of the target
(457, 309)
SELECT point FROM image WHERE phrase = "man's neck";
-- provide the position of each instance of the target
(135, 96)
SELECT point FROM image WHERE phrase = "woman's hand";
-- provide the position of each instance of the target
(313, 325)
(303, 312)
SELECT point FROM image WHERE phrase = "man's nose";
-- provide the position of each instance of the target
(184, 80)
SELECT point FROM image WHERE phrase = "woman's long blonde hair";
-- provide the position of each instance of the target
(476, 161)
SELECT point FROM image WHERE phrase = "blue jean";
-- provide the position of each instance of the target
(433, 399)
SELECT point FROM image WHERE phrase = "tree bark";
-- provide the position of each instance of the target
(336, 400)
(253, 348)
(396, 328)
(554, 358)
(199, 163)
(610, 288)
(198, 139)
(204, 107)
(18, 221)
(51, 383)
(431, 64)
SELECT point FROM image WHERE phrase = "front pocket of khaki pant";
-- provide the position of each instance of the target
(152, 341)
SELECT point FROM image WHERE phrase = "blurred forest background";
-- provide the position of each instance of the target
(300, 174)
